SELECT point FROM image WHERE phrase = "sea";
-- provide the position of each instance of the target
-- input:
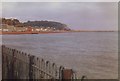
(92, 54)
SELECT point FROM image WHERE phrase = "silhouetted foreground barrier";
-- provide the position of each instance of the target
(19, 65)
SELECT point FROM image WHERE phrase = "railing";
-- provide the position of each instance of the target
(19, 65)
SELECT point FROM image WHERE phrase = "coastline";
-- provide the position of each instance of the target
(3, 33)
(14, 33)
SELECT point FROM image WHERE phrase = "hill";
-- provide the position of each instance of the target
(46, 24)
(42, 24)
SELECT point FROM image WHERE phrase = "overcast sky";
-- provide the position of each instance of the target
(77, 15)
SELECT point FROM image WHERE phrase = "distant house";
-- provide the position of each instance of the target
(7, 28)
(37, 29)
(20, 29)
(29, 29)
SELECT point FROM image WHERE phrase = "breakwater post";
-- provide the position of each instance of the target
(19, 65)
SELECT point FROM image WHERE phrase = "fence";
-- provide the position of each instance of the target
(19, 65)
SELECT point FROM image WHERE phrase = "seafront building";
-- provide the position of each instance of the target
(8, 28)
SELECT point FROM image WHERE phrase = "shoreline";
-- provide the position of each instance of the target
(4, 33)
(15, 33)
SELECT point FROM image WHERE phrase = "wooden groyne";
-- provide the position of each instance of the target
(19, 65)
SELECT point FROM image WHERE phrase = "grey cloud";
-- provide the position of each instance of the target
(78, 15)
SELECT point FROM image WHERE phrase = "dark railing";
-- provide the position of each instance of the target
(19, 65)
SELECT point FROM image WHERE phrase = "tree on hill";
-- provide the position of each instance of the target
(12, 22)
(45, 24)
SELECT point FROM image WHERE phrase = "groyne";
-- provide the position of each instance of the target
(19, 65)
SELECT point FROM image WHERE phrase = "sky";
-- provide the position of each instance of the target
(77, 15)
